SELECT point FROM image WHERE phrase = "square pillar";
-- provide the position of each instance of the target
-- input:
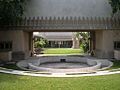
(104, 44)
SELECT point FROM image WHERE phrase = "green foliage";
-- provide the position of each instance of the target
(40, 42)
(85, 46)
(11, 10)
(83, 37)
(115, 4)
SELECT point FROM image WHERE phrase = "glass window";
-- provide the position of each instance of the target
(6, 45)
(117, 45)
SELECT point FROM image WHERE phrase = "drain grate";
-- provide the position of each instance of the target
(62, 60)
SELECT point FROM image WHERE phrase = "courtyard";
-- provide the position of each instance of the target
(59, 45)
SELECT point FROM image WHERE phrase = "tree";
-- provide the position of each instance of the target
(82, 40)
(11, 10)
(40, 42)
(115, 4)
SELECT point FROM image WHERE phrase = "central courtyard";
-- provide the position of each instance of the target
(59, 44)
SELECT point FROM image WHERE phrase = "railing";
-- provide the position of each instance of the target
(54, 23)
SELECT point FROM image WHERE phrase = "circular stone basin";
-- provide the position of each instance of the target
(64, 64)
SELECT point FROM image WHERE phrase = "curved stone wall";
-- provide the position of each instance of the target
(94, 64)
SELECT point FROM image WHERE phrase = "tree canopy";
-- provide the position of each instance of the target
(11, 10)
(115, 4)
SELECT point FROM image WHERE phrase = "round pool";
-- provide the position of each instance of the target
(64, 64)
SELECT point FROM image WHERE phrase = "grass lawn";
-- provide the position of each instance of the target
(62, 51)
(14, 82)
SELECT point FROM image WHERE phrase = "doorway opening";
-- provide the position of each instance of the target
(65, 43)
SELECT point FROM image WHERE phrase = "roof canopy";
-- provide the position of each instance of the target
(43, 24)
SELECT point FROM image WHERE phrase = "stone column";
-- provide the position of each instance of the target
(31, 43)
(76, 43)
(104, 44)
(92, 43)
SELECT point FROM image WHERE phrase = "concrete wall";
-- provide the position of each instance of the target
(99, 43)
(57, 8)
(105, 43)
(116, 35)
(15, 36)
(27, 48)
(20, 43)
(6, 56)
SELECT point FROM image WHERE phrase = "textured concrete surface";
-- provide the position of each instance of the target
(60, 8)
(64, 65)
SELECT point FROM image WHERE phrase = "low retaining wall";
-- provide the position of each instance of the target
(77, 70)
(117, 54)
(35, 64)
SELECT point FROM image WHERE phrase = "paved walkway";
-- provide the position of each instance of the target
(43, 74)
